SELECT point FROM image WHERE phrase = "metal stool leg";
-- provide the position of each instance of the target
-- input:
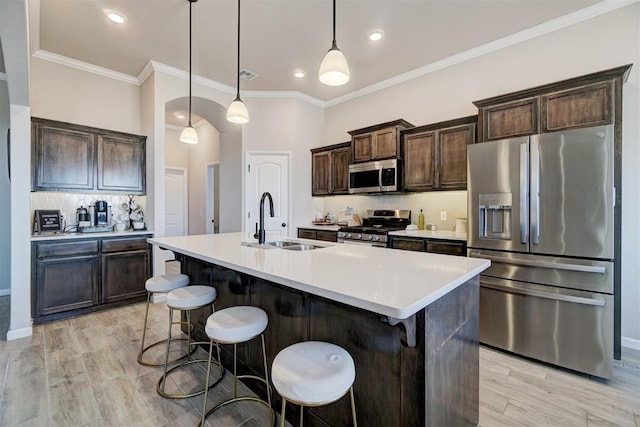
(166, 357)
(284, 407)
(301, 415)
(266, 375)
(144, 331)
(206, 387)
(353, 407)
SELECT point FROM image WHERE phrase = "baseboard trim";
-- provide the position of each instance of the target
(5, 292)
(19, 333)
(630, 343)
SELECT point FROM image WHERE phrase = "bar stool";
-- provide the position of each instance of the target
(186, 299)
(161, 284)
(236, 325)
(313, 373)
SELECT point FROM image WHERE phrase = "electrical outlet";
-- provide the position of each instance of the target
(443, 215)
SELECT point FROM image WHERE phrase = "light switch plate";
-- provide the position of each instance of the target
(443, 215)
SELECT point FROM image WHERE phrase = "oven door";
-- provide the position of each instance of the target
(363, 243)
(566, 327)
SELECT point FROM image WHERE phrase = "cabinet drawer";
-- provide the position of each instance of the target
(306, 234)
(47, 250)
(408, 244)
(447, 247)
(327, 236)
(120, 245)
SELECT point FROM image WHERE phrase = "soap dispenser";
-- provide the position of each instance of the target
(421, 221)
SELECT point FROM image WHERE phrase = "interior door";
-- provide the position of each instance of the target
(572, 193)
(176, 205)
(267, 172)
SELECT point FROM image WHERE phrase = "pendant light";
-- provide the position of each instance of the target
(334, 70)
(237, 112)
(189, 135)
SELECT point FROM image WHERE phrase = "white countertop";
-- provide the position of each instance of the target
(427, 234)
(384, 281)
(323, 227)
(74, 235)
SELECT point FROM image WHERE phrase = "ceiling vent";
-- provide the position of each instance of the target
(247, 75)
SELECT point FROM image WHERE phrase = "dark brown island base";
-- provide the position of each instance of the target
(421, 370)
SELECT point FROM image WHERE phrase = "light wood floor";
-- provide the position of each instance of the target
(83, 372)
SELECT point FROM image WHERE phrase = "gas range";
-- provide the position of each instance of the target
(375, 227)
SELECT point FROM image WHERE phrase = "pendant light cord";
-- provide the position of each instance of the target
(238, 68)
(334, 23)
(190, 6)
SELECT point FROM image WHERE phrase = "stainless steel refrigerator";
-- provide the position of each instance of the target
(541, 208)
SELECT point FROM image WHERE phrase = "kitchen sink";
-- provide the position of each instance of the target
(283, 244)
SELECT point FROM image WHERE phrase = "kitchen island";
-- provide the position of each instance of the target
(410, 320)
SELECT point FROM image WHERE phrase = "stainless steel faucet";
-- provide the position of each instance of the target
(260, 234)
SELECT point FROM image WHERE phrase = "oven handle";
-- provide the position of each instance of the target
(541, 294)
(542, 264)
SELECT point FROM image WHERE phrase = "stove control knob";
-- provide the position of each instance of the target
(357, 236)
(341, 234)
(375, 238)
(347, 235)
(370, 237)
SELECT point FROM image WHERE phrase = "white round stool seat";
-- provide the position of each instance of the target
(166, 282)
(191, 297)
(313, 373)
(236, 324)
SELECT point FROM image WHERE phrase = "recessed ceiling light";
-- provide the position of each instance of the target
(299, 74)
(179, 115)
(376, 35)
(116, 17)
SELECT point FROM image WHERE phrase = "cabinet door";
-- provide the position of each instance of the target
(62, 158)
(385, 144)
(327, 236)
(510, 119)
(320, 173)
(452, 157)
(340, 159)
(66, 283)
(589, 105)
(124, 275)
(361, 147)
(419, 155)
(121, 163)
(417, 245)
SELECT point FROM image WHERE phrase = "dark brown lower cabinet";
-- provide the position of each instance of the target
(66, 283)
(432, 382)
(325, 235)
(72, 277)
(436, 246)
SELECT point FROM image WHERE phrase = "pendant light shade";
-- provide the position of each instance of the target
(334, 70)
(237, 112)
(189, 135)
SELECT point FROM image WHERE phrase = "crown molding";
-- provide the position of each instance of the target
(510, 40)
(84, 66)
(3, 76)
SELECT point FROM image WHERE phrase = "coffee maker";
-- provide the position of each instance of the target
(102, 213)
(82, 218)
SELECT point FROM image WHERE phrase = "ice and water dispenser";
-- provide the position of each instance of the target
(495, 216)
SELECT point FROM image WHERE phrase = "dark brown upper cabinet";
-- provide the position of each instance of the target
(583, 101)
(377, 142)
(435, 155)
(70, 157)
(330, 169)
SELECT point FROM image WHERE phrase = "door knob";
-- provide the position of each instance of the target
(284, 224)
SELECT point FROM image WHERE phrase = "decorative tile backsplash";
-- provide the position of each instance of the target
(67, 203)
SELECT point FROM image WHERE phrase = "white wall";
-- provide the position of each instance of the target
(70, 95)
(200, 155)
(600, 43)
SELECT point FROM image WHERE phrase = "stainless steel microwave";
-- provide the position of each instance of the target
(374, 177)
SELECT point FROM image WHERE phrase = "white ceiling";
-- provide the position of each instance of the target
(280, 36)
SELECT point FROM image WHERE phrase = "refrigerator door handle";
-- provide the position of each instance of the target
(542, 264)
(524, 192)
(535, 192)
(541, 294)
